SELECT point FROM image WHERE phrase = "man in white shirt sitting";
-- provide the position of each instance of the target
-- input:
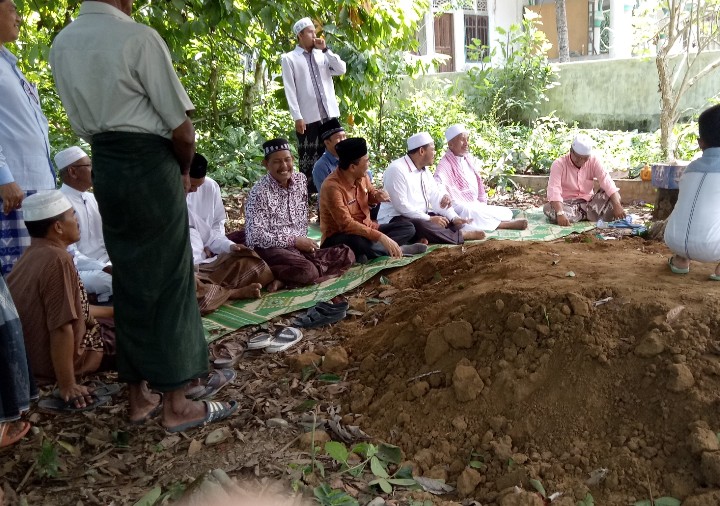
(416, 197)
(204, 198)
(89, 253)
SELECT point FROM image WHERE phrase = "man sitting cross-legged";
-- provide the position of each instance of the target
(204, 198)
(345, 201)
(417, 198)
(63, 339)
(457, 170)
(276, 217)
(224, 270)
(91, 257)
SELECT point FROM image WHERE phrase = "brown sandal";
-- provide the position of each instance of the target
(226, 354)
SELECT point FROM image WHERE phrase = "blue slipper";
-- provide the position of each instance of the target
(714, 277)
(677, 270)
(215, 411)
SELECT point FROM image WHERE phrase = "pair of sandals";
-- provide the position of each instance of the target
(101, 394)
(323, 313)
(686, 270)
(281, 340)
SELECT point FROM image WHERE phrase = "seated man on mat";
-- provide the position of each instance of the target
(458, 172)
(415, 197)
(91, 257)
(204, 198)
(276, 218)
(63, 339)
(692, 231)
(570, 188)
(224, 270)
(331, 132)
(345, 202)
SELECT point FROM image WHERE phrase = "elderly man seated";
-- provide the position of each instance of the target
(415, 197)
(692, 231)
(224, 270)
(331, 132)
(204, 198)
(276, 217)
(570, 188)
(63, 339)
(345, 202)
(91, 257)
(457, 170)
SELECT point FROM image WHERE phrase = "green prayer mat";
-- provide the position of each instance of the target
(239, 314)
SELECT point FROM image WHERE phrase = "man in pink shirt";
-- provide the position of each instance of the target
(570, 188)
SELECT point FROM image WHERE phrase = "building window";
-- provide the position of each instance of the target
(476, 27)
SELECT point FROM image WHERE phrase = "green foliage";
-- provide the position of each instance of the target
(661, 501)
(587, 500)
(513, 91)
(150, 498)
(328, 496)
(537, 485)
(48, 461)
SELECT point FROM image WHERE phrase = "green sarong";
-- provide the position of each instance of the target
(145, 225)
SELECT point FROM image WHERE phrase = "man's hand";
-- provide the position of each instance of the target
(459, 222)
(440, 220)
(390, 246)
(186, 182)
(79, 395)
(382, 196)
(305, 244)
(618, 212)
(320, 43)
(300, 126)
(563, 221)
(235, 248)
(12, 196)
(445, 202)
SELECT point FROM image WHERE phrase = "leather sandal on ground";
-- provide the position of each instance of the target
(98, 388)
(226, 354)
(215, 411)
(215, 382)
(284, 339)
(54, 404)
(677, 270)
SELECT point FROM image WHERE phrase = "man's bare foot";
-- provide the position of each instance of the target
(520, 224)
(422, 240)
(473, 235)
(252, 291)
(275, 286)
(142, 402)
(682, 262)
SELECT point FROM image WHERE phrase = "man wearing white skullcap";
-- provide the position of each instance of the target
(62, 336)
(417, 198)
(570, 191)
(307, 73)
(91, 257)
(458, 172)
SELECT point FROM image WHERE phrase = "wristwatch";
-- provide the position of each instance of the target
(560, 213)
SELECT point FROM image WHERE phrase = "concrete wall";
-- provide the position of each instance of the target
(614, 94)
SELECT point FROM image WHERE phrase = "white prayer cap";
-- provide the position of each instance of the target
(68, 157)
(417, 140)
(301, 25)
(41, 206)
(582, 144)
(454, 131)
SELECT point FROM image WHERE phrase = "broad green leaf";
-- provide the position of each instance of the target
(383, 484)
(644, 502)
(149, 498)
(402, 482)
(539, 487)
(337, 451)
(389, 453)
(667, 501)
(329, 378)
(377, 468)
(404, 472)
(476, 464)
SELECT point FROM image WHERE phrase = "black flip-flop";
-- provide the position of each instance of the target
(54, 404)
(98, 388)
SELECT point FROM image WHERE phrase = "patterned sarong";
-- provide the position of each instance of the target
(14, 237)
(145, 225)
(17, 386)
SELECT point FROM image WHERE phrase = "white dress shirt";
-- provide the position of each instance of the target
(89, 251)
(207, 205)
(202, 237)
(413, 193)
(298, 83)
(24, 144)
(130, 84)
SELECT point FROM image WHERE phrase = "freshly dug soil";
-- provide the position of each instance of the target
(497, 354)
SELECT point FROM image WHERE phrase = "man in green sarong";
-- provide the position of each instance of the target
(121, 94)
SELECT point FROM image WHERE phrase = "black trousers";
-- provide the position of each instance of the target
(365, 249)
(435, 234)
(310, 148)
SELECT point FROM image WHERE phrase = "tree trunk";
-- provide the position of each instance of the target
(562, 31)
(668, 105)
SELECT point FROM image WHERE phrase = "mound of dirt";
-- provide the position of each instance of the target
(585, 365)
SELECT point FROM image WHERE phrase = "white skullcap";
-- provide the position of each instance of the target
(41, 206)
(454, 131)
(68, 157)
(582, 144)
(301, 25)
(417, 140)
